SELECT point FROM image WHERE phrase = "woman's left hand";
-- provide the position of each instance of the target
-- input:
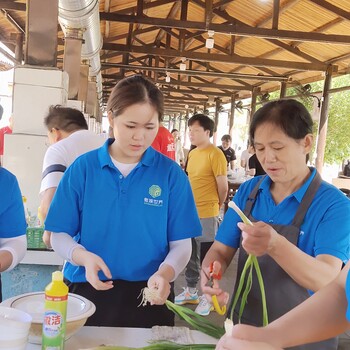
(258, 239)
(160, 288)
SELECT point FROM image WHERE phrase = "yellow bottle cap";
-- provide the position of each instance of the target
(57, 276)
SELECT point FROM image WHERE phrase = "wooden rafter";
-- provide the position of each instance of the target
(200, 56)
(231, 29)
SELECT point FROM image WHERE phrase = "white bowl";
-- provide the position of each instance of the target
(14, 328)
(78, 311)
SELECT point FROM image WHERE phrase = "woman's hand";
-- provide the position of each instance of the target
(160, 288)
(214, 289)
(93, 264)
(47, 239)
(258, 239)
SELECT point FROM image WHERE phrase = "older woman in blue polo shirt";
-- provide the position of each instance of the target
(13, 241)
(123, 215)
(302, 224)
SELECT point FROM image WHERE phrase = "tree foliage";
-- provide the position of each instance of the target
(337, 142)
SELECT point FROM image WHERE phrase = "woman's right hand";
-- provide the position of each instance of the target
(93, 264)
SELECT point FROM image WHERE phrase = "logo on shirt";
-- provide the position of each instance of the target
(154, 191)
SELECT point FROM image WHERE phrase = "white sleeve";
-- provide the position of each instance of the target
(54, 165)
(17, 246)
(63, 244)
(179, 255)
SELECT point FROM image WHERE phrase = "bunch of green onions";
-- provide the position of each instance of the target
(251, 262)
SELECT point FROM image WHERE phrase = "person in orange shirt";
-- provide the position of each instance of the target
(164, 142)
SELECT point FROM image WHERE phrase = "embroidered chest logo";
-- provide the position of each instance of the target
(154, 191)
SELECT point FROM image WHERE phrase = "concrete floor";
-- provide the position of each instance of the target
(227, 284)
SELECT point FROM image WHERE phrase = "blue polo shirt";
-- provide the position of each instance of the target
(127, 221)
(347, 292)
(12, 219)
(326, 226)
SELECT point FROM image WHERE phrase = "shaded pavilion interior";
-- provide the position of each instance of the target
(260, 46)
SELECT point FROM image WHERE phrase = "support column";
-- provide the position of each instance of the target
(186, 128)
(71, 61)
(322, 128)
(41, 33)
(232, 114)
(19, 47)
(216, 118)
(255, 93)
(180, 123)
(83, 81)
(283, 90)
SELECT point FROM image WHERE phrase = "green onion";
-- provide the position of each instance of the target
(251, 262)
(160, 346)
(198, 322)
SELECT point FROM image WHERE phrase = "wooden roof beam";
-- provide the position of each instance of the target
(107, 65)
(332, 8)
(230, 29)
(12, 5)
(206, 85)
(195, 92)
(281, 44)
(211, 57)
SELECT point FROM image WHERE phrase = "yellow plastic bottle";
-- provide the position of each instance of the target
(54, 324)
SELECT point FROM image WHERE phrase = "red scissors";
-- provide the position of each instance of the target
(213, 275)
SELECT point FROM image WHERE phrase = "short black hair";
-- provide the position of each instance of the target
(204, 121)
(174, 130)
(65, 118)
(288, 114)
(227, 138)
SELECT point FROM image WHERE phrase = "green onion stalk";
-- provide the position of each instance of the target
(251, 262)
(160, 346)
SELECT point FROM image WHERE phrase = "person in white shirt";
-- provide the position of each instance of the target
(179, 152)
(69, 138)
(246, 154)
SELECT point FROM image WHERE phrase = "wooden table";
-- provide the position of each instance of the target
(233, 185)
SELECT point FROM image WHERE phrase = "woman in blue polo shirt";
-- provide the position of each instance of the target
(123, 215)
(13, 241)
(302, 224)
(324, 315)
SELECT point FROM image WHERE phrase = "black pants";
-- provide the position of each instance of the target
(204, 246)
(119, 306)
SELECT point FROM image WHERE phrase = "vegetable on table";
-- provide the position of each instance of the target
(198, 322)
(160, 346)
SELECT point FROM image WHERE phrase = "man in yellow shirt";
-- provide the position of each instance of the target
(207, 172)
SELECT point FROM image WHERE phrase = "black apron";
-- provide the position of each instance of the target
(282, 292)
(119, 306)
